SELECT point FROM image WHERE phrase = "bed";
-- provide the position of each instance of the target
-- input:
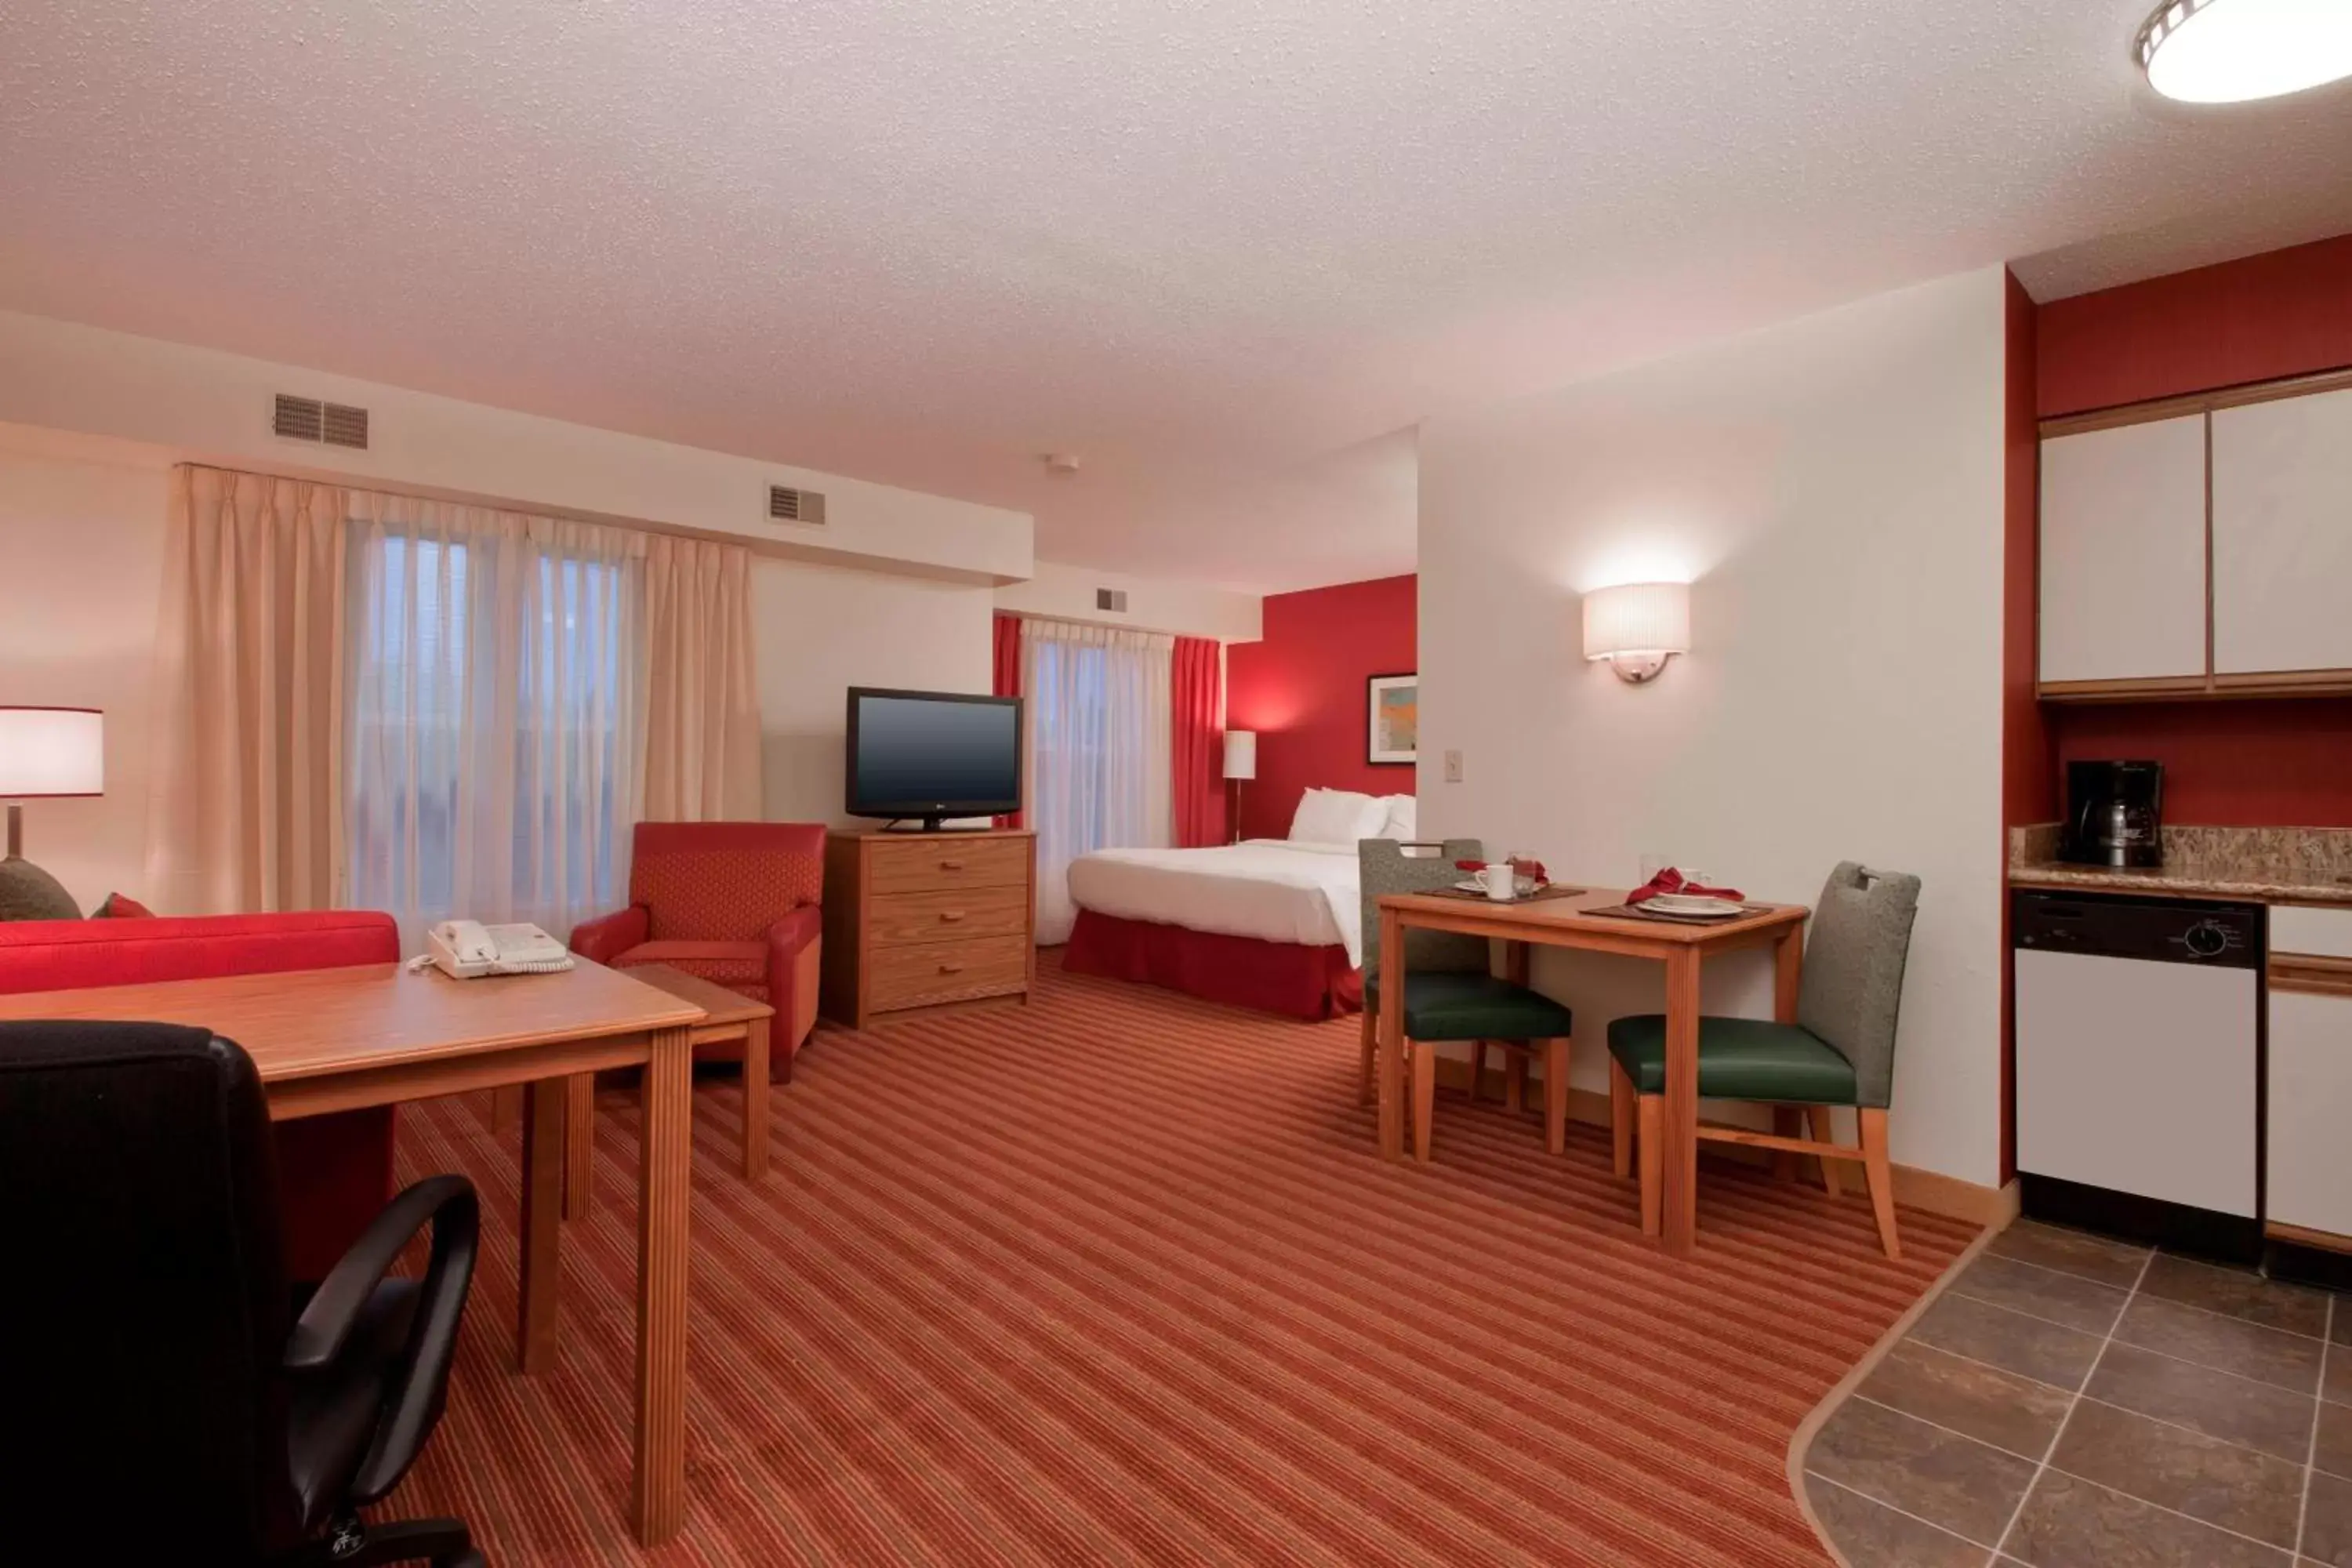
(1271, 923)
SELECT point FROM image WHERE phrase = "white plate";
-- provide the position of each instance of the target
(1685, 904)
(1520, 889)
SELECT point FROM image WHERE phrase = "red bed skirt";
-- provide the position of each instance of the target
(1273, 976)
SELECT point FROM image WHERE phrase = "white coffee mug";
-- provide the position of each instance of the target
(1500, 880)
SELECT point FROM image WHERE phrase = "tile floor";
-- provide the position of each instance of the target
(2072, 1402)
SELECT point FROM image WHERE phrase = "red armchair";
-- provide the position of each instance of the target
(734, 902)
(334, 1172)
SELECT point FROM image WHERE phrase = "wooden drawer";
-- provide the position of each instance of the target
(929, 865)
(898, 919)
(2320, 933)
(925, 972)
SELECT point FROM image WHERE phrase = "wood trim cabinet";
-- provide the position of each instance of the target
(918, 922)
(2198, 547)
(2282, 536)
(2122, 555)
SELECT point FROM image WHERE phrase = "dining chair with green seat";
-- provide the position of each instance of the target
(1840, 1050)
(1450, 993)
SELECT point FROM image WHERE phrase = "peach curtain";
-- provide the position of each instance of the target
(246, 813)
(702, 707)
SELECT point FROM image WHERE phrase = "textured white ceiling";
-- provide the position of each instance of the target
(1213, 248)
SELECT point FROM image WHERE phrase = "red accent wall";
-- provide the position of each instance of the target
(2028, 773)
(2028, 780)
(1301, 688)
(2238, 762)
(2285, 313)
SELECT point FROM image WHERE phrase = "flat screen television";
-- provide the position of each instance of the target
(925, 756)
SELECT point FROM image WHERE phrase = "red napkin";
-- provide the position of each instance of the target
(1672, 881)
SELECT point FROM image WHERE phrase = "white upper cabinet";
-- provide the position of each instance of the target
(2123, 553)
(2282, 535)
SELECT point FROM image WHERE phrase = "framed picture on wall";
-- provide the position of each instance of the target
(1393, 719)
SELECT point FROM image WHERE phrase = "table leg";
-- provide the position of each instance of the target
(579, 1143)
(1679, 1137)
(543, 1118)
(658, 1496)
(756, 1094)
(1391, 1038)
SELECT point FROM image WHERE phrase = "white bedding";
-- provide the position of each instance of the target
(1269, 888)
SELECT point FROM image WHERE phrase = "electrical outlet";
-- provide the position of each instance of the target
(1453, 767)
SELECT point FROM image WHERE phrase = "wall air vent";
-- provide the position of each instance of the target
(298, 418)
(786, 504)
(345, 426)
(308, 419)
(1111, 599)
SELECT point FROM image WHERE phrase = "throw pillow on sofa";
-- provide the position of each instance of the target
(30, 893)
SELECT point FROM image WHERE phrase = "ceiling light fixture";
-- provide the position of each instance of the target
(2231, 52)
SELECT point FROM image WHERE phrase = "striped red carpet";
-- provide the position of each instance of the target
(1118, 1279)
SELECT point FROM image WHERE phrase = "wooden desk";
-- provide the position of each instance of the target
(728, 1015)
(1564, 922)
(337, 1039)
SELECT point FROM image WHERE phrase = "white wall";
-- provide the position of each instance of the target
(818, 630)
(214, 407)
(81, 537)
(1153, 603)
(1833, 488)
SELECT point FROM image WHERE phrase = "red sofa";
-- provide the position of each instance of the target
(734, 902)
(334, 1172)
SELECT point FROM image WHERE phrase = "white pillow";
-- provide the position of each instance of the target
(1404, 812)
(1336, 816)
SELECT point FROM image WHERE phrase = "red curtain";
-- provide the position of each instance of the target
(1007, 681)
(1196, 754)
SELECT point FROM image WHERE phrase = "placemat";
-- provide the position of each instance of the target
(1628, 913)
(1555, 892)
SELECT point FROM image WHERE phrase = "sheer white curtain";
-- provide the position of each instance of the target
(1100, 732)
(496, 713)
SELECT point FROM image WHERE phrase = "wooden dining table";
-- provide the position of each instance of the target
(1569, 921)
(339, 1039)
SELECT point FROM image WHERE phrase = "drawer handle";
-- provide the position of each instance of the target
(950, 969)
(950, 916)
(951, 865)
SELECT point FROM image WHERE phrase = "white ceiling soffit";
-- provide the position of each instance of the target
(1198, 247)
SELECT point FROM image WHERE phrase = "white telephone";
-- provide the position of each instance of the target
(465, 948)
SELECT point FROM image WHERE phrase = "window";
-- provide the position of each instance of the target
(490, 749)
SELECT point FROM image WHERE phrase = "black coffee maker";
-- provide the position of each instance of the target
(2115, 815)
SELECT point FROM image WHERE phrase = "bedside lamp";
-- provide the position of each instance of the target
(1241, 763)
(44, 753)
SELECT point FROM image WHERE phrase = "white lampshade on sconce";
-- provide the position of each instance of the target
(1241, 763)
(1637, 626)
(2233, 51)
(44, 753)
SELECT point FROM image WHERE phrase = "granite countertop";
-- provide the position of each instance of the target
(2261, 865)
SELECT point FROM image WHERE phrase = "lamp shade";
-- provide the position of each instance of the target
(52, 751)
(1637, 619)
(1241, 753)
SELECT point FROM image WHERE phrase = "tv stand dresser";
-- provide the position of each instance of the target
(918, 922)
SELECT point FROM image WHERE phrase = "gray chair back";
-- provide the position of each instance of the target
(1853, 987)
(1385, 867)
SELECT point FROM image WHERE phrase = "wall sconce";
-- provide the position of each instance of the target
(1637, 626)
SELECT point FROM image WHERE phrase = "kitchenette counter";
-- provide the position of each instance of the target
(2255, 865)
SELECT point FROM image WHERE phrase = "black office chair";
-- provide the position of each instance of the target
(155, 1405)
